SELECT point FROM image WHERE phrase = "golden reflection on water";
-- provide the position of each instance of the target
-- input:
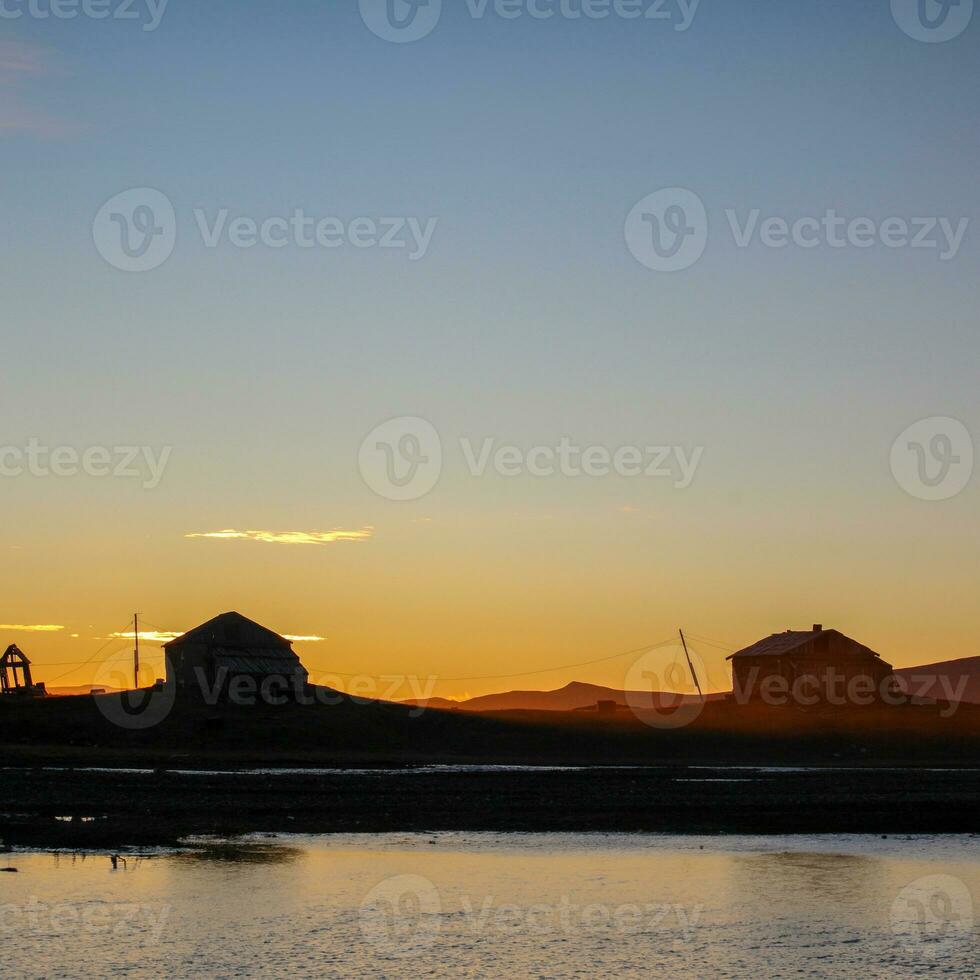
(492, 904)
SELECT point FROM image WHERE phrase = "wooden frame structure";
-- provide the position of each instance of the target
(11, 662)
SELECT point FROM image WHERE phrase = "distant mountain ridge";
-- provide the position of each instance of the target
(568, 698)
(938, 680)
(962, 676)
(64, 692)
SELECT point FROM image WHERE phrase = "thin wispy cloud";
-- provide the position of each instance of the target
(22, 66)
(14, 119)
(160, 636)
(288, 537)
(18, 60)
(151, 636)
(31, 629)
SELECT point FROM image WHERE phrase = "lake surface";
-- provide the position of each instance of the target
(464, 904)
(744, 772)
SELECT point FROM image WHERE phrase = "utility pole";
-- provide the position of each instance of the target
(697, 683)
(136, 651)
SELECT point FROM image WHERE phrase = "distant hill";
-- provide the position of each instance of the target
(64, 692)
(341, 731)
(567, 698)
(927, 681)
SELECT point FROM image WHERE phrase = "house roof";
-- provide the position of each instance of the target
(232, 629)
(781, 644)
(258, 662)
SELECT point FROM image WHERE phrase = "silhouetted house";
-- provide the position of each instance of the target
(231, 646)
(817, 663)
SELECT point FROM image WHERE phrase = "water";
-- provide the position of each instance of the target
(546, 905)
(745, 773)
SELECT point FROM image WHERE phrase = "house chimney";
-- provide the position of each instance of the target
(817, 627)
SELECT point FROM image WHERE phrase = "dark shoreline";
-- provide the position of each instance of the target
(163, 807)
(902, 770)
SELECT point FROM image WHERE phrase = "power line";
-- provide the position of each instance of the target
(89, 659)
(159, 629)
(478, 677)
(543, 670)
(82, 663)
(712, 643)
(493, 677)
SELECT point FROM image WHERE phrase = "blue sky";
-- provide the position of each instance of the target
(528, 318)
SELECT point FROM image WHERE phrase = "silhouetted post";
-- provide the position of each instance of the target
(697, 683)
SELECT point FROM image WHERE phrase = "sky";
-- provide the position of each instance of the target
(485, 275)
